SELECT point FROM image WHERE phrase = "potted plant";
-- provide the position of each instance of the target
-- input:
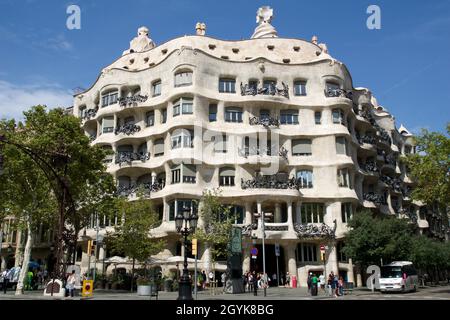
(144, 286)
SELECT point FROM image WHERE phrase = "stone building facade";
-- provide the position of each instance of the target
(276, 124)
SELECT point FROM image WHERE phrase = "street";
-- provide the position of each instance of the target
(423, 293)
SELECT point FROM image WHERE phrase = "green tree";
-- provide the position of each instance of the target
(51, 147)
(133, 237)
(374, 237)
(430, 168)
(215, 228)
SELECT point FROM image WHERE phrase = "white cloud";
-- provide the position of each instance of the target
(14, 99)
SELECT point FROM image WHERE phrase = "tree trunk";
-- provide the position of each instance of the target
(26, 259)
(207, 260)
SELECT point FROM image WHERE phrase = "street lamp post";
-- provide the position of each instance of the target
(190, 223)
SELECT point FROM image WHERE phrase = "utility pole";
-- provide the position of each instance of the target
(263, 216)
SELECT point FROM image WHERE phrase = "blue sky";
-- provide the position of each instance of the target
(406, 64)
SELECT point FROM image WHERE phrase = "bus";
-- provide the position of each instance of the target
(399, 276)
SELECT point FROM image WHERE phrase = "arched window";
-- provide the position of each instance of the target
(305, 178)
(110, 97)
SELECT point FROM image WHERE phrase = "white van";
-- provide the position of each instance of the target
(399, 276)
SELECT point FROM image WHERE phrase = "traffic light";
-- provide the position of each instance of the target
(94, 245)
(194, 247)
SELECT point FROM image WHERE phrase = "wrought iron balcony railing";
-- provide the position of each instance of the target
(132, 101)
(89, 114)
(369, 167)
(270, 89)
(128, 129)
(394, 183)
(266, 122)
(314, 230)
(145, 187)
(260, 151)
(375, 198)
(335, 93)
(271, 182)
(128, 157)
(366, 139)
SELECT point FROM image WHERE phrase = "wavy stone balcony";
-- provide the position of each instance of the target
(266, 122)
(127, 129)
(271, 89)
(132, 101)
(276, 181)
(315, 230)
(129, 157)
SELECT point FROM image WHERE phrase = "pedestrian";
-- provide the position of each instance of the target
(250, 282)
(330, 285)
(255, 284)
(5, 275)
(288, 280)
(70, 284)
(223, 280)
(205, 279)
(274, 278)
(308, 281)
(322, 282)
(336, 288)
(314, 281)
(341, 286)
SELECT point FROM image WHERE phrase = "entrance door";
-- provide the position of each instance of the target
(271, 262)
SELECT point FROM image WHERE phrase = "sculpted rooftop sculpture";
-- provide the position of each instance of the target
(140, 43)
(264, 29)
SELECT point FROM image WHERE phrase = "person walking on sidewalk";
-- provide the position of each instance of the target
(255, 284)
(71, 283)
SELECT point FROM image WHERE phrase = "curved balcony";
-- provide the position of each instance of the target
(259, 151)
(127, 129)
(271, 89)
(338, 93)
(369, 168)
(277, 181)
(132, 101)
(375, 198)
(89, 114)
(266, 122)
(315, 230)
(147, 188)
(129, 157)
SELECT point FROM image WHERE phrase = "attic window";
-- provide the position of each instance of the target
(318, 53)
(286, 60)
(131, 61)
(151, 64)
(125, 67)
(212, 46)
(235, 50)
(270, 47)
(248, 58)
(146, 60)
(225, 57)
(296, 48)
(164, 51)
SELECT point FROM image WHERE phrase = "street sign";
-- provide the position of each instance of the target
(88, 286)
(322, 248)
(277, 249)
(254, 257)
(254, 251)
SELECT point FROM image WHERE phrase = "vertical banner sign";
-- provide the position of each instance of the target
(88, 286)
(236, 240)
